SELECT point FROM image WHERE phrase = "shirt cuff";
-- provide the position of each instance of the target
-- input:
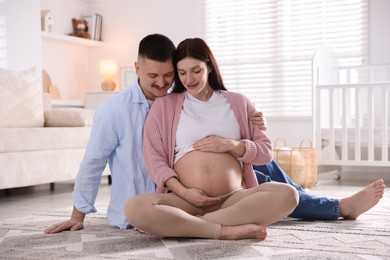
(81, 204)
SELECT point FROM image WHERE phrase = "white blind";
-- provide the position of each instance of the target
(265, 48)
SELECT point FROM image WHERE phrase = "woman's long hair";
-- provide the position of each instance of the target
(197, 48)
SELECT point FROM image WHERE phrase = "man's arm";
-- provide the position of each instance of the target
(258, 120)
(101, 143)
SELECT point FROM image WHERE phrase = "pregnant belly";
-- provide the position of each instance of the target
(215, 173)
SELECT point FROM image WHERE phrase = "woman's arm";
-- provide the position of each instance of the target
(156, 146)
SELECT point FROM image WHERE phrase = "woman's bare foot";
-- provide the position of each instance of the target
(360, 202)
(243, 232)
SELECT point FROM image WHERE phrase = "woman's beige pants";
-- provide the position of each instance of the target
(168, 215)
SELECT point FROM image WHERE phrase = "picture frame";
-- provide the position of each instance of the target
(127, 77)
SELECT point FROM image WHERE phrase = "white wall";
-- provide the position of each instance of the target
(293, 130)
(379, 31)
(23, 43)
(68, 67)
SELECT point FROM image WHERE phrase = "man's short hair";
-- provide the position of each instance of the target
(156, 47)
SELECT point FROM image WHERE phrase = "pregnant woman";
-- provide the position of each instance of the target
(199, 147)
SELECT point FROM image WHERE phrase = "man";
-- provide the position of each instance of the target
(116, 138)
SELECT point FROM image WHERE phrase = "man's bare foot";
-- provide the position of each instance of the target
(243, 232)
(360, 202)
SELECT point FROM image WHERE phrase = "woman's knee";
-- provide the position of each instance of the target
(292, 195)
(136, 208)
(286, 193)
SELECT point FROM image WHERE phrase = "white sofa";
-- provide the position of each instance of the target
(38, 145)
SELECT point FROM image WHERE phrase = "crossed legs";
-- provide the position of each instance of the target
(243, 215)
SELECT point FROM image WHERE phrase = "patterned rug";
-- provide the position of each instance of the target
(366, 238)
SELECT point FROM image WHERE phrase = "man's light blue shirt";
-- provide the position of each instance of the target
(117, 138)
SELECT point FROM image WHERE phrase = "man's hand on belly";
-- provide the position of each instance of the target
(199, 198)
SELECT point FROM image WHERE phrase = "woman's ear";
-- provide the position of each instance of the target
(209, 69)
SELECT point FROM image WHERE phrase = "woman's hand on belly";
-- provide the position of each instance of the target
(217, 144)
(194, 196)
(199, 198)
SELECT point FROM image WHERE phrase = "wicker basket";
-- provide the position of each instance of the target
(299, 163)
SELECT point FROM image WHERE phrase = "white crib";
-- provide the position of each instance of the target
(351, 112)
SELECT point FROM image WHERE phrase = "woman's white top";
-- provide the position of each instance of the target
(199, 119)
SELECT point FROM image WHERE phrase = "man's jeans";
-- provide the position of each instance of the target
(310, 206)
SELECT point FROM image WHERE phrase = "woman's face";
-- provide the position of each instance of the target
(193, 75)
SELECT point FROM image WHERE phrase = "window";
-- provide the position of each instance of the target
(265, 48)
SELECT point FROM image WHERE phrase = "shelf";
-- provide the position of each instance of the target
(71, 39)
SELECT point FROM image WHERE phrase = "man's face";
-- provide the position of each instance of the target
(155, 77)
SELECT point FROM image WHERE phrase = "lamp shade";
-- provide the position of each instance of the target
(108, 67)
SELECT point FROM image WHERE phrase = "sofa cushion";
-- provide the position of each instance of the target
(43, 138)
(21, 98)
(68, 117)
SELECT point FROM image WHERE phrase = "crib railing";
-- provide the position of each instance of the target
(352, 116)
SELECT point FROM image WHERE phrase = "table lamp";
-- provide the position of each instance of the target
(108, 68)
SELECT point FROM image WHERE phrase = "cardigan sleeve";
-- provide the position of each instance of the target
(156, 147)
(258, 147)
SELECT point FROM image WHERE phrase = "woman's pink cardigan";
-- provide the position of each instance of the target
(160, 135)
